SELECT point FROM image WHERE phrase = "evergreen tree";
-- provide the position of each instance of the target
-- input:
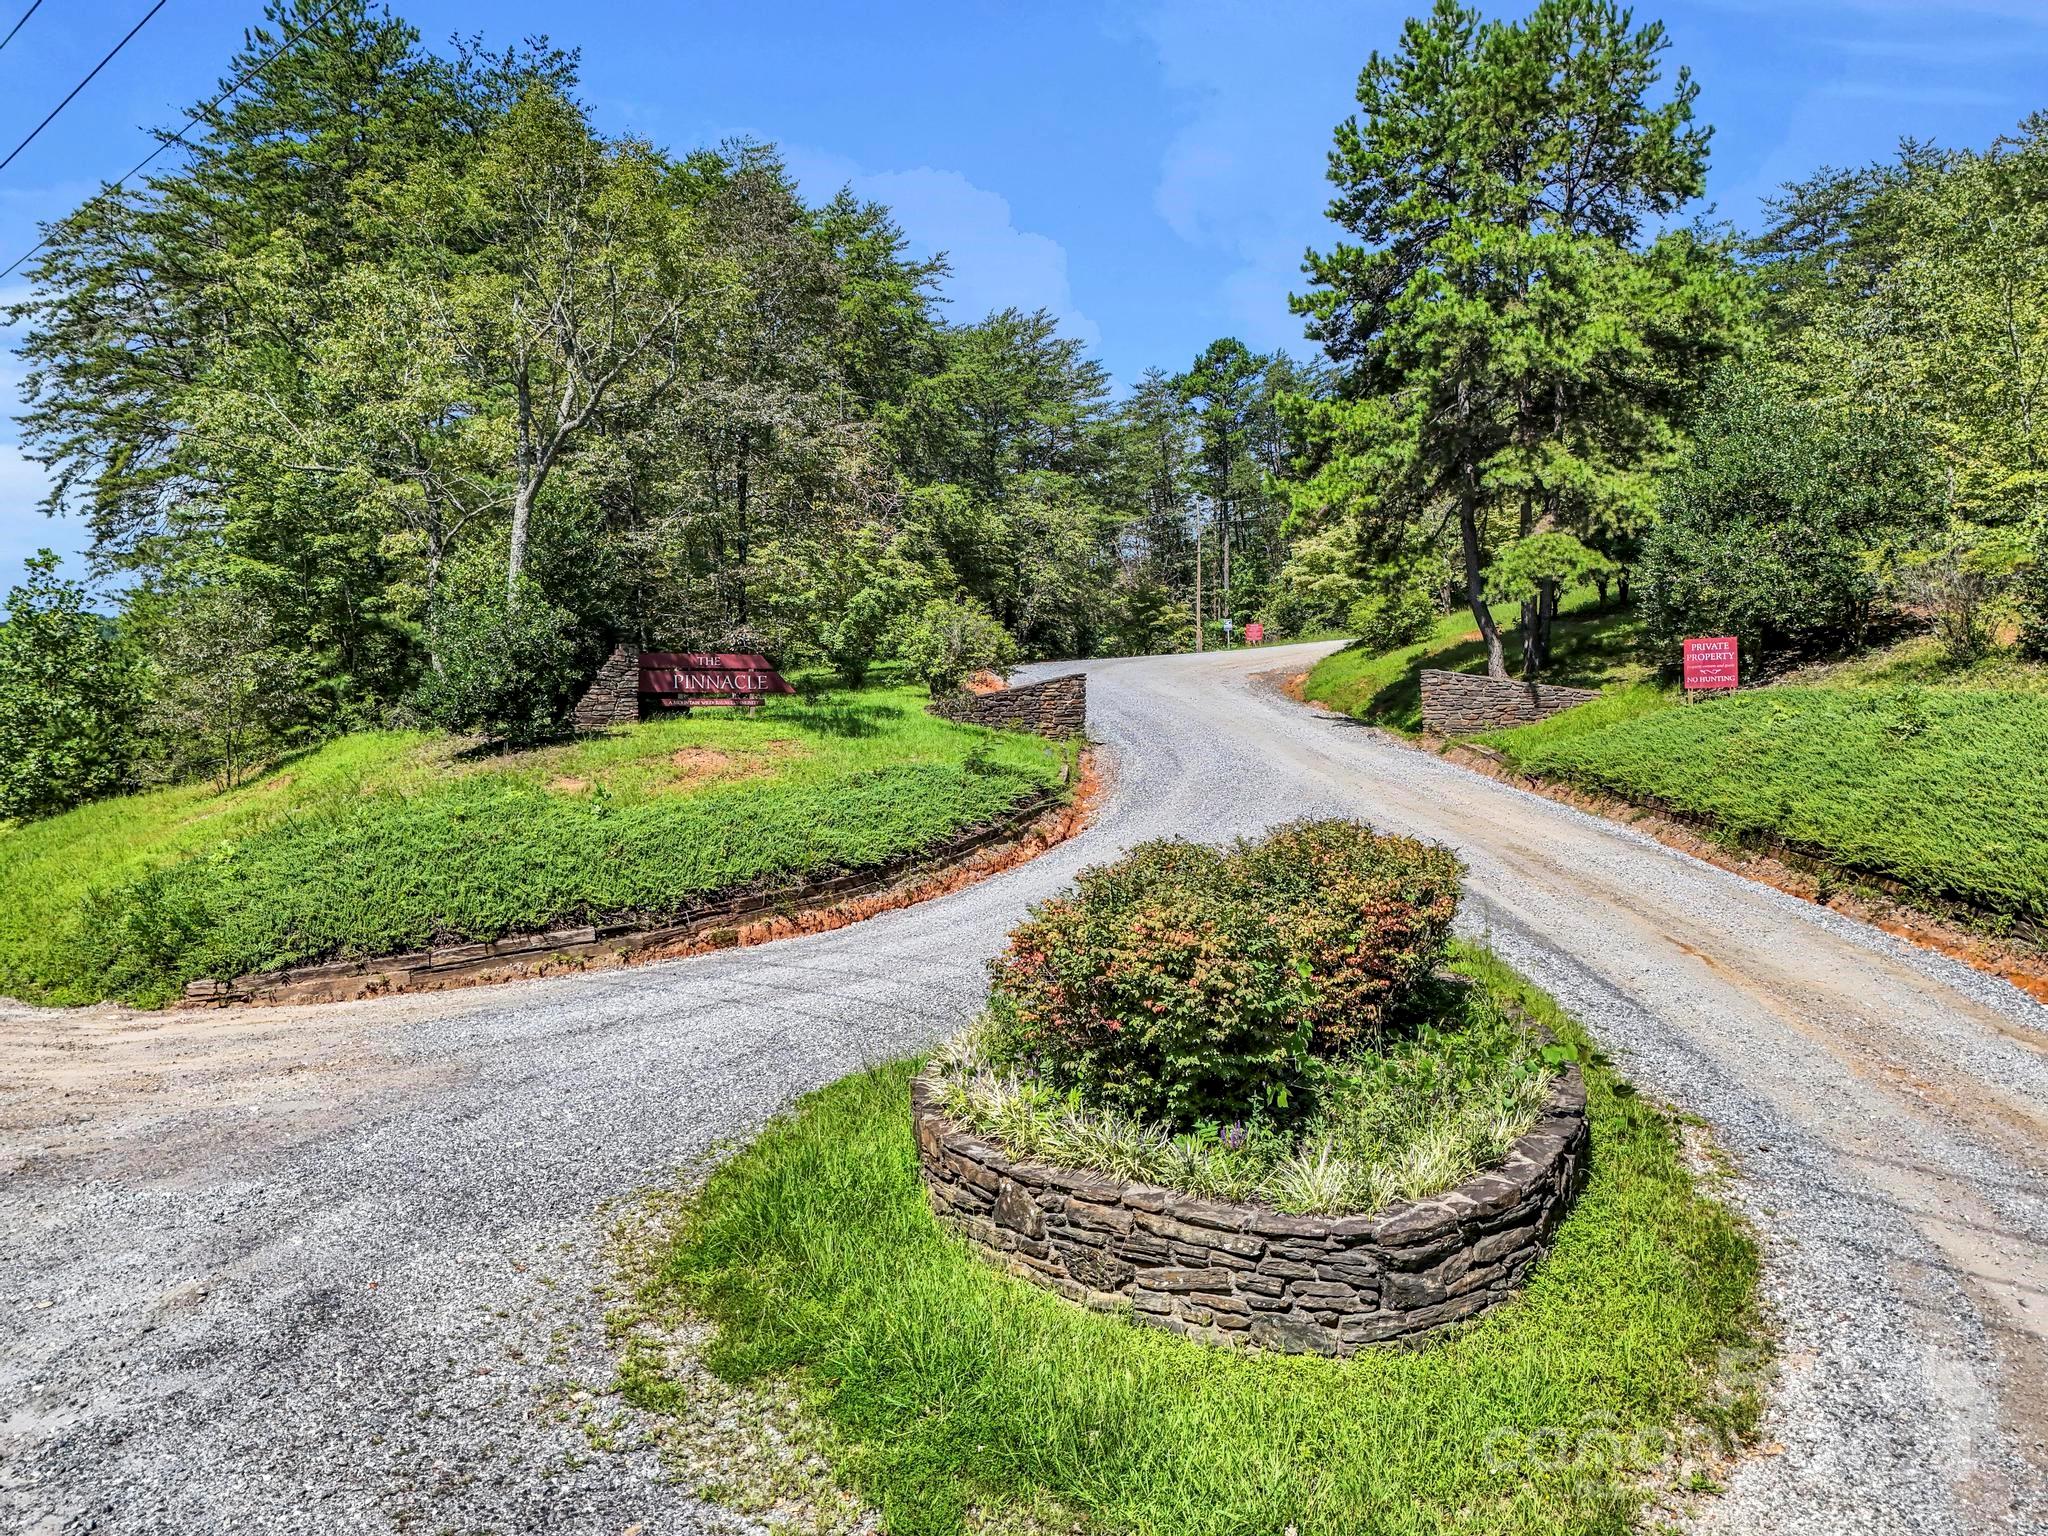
(1511, 343)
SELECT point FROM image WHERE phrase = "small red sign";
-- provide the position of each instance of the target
(678, 679)
(1712, 662)
(1254, 633)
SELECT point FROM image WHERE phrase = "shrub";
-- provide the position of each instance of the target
(503, 669)
(950, 640)
(1185, 984)
(1388, 618)
(67, 697)
(1780, 522)
(2031, 589)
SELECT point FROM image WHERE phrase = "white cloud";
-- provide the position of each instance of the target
(1244, 173)
(995, 264)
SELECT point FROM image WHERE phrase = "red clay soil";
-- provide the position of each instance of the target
(1050, 830)
(1047, 831)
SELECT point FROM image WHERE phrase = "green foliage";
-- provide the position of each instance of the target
(1513, 349)
(949, 640)
(1916, 785)
(67, 697)
(1525, 570)
(1184, 983)
(453, 321)
(1399, 604)
(222, 694)
(385, 842)
(1966, 584)
(954, 1394)
(1392, 616)
(501, 668)
(2030, 590)
(1783, 520)
(1408, 1118)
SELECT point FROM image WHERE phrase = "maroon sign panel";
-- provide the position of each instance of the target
(1254, 633)
(1712, 662)
(679, 679)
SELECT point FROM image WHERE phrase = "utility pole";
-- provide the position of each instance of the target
(1198, 587)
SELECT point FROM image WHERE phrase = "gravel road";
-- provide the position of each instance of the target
(332, 1269)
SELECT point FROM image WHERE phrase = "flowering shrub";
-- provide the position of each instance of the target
(1190, 985)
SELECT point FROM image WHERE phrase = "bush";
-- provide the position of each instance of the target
(502, 669)
(2031, 590)
(1780, 522)
(67, 697)
(1185, 984)
(950, 640)
(1388, 618)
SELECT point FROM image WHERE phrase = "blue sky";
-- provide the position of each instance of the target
(1149, 170)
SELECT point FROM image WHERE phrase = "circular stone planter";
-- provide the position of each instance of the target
(1247, 1273)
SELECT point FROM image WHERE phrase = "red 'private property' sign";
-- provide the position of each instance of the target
(1254, 633)
(679, 679)
(1714, 662)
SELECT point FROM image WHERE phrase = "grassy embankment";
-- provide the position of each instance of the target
(1895, 765)
(946, 1389)
(390, 841)
(1589, 649)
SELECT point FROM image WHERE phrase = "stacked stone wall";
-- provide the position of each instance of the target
(1057, 707)
(1249, 1274)
(613, 697)
(1466, 703)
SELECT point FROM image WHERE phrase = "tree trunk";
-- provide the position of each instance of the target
(515, 563)
(433, 593)
(1223, 595)
(1475, 586)
(522, 497)
(1198, 591)
(740, 536)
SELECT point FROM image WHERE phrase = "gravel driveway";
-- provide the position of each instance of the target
(332, 1269)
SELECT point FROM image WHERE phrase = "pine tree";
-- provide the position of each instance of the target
(1512, 343)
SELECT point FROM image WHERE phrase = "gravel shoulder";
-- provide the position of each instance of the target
(337, 1268)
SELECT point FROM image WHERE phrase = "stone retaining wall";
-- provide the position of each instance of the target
(1057, 707)
(1248, 1274)
(613, 697)
(1466, 703)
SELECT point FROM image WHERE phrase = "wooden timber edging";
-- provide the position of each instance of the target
(342, 980)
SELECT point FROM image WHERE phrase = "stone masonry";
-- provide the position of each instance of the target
(1249, 1274)
(1466, 703)
(613, 697)
(1057, 707)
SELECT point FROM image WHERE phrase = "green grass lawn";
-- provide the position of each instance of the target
(947, 1390)
(1896, 764)
(1940, 789)
(384, 842)
(1589, 649)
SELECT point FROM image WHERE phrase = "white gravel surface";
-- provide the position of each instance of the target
(332, 1269)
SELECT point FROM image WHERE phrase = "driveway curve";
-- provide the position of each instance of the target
(332, 1269)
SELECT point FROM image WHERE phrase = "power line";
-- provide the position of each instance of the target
(39, 127)
(33, 7)
(191, 121)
